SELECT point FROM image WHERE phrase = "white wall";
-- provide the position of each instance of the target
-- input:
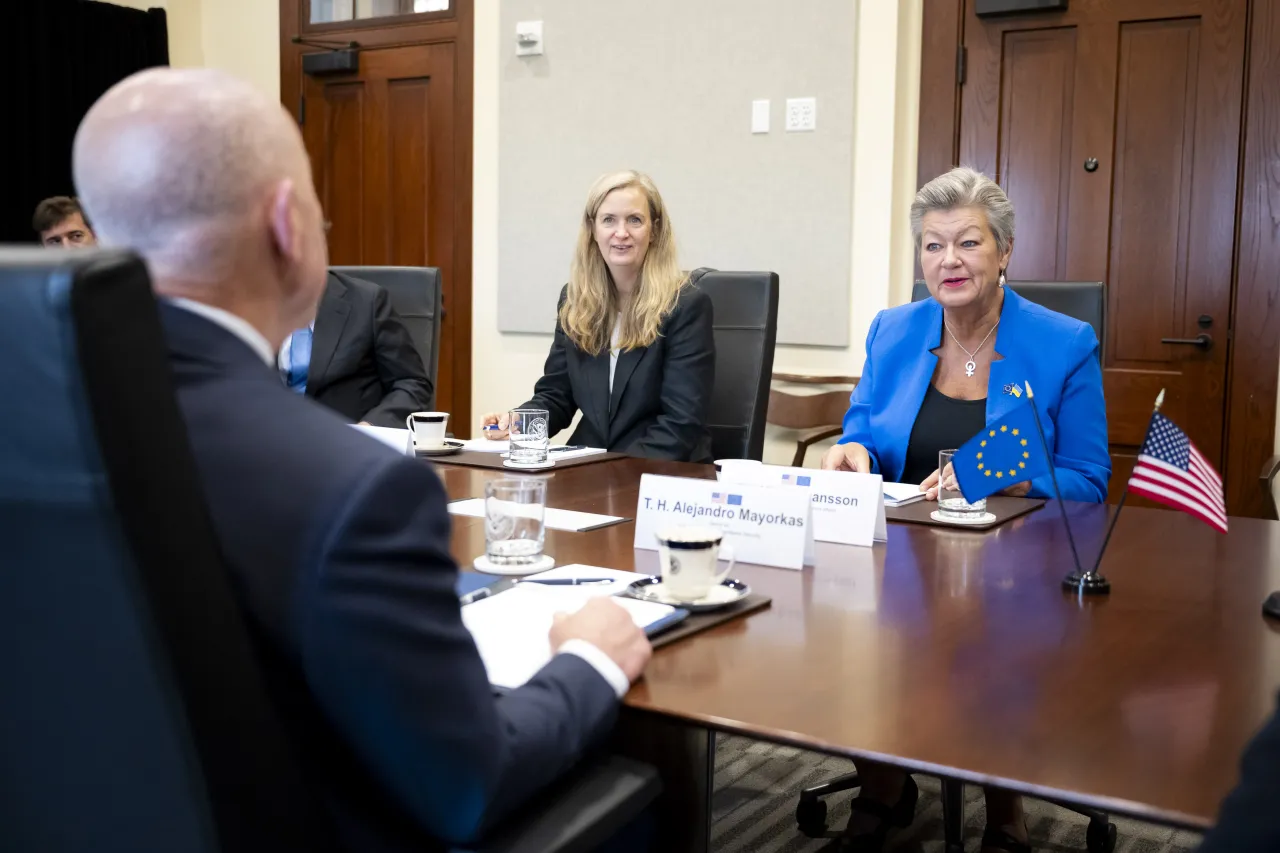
(505, 366)
(239, 36)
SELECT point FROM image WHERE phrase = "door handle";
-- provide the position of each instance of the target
(1202, 340)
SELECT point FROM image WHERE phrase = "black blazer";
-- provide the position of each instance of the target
(658, 408)
(339, 551)
(364, 365)
(1247, 822)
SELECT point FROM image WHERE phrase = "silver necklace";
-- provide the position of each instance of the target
(970, 366)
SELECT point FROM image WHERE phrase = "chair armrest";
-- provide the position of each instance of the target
(1268, 472)
(578, 813)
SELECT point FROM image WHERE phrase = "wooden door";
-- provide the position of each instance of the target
(1115, 129)
(390, 149)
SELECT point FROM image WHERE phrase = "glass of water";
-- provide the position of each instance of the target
(528, 434)
(951, 504)
(513, 520)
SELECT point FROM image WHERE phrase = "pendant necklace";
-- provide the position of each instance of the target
(970, 366)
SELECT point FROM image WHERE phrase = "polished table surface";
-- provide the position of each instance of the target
(958, 653)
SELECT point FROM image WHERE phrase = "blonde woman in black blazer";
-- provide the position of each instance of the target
(633, 348)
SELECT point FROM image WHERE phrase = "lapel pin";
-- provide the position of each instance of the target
(1014, 390)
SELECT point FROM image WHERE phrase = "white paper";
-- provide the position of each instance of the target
(901, 494)
(511, 629)
(484, 445)
(556, 519)
(397, 439)
(847, 508)
(765, 525)
(555, 455)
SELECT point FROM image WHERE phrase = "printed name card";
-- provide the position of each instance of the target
(764, 525)
(847, 508)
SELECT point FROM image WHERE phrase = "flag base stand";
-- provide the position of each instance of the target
(1088, 583)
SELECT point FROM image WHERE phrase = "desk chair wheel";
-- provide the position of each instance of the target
(811, 817)
(1101, 837)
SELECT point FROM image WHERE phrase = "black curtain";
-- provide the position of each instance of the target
(68, 52)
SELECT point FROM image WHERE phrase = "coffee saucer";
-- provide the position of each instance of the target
(729, 591)
(449, 448)
(484, 564)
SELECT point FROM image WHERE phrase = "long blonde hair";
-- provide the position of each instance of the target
(588, 311)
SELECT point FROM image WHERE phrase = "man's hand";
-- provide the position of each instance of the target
(609, 628)
(847, 457)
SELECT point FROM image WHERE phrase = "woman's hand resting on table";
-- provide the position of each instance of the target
(501, 419)
(847, 457)
(930, 485)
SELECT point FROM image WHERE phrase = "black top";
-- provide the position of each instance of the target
(658, 405)
(944, 423)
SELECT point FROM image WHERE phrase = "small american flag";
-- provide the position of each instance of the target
(724, 498)
(1171, 471)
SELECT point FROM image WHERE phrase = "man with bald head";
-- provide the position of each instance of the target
(339, 547)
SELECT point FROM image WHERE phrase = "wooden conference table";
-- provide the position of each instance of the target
(957, 653)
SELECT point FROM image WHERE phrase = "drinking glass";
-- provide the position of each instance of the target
(528, 434)
(514, 510)
(951, 504)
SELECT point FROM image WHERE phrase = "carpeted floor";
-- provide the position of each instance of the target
(756, 787)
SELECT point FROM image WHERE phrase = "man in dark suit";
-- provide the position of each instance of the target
(339, 546)
(1247, 822)
(359, 359)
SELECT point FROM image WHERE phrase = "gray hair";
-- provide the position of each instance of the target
(965, 187)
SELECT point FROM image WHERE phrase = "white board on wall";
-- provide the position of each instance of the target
(666, 87)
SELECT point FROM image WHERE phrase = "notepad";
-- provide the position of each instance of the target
(512, 629)
(556, 519)
(901, 494)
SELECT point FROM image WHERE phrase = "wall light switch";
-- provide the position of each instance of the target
(802, 114)
(760, 116)
(529, 38)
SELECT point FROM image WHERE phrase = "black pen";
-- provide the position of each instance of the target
(472, 597)
(569, 581)
(566, 447)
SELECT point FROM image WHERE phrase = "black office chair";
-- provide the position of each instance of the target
(746, 328)
(417, 295)
(137, 718)
(1085, 301)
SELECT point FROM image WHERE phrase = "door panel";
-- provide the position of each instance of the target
(382, 153)
(1036, 111)
(1149, 95)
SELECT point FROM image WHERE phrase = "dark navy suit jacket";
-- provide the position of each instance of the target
(661, 393)
(339, 551)
(1247, 822)
(1055, 353)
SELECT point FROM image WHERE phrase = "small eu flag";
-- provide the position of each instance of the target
(1004, 453)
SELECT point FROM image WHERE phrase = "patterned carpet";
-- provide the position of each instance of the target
(757, 785)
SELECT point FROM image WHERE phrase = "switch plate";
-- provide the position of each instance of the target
(529, 38)
(802, 114)
(760, 116)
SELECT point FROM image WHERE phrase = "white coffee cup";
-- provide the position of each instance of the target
(689, 558)
(428, 428)
(743, 469)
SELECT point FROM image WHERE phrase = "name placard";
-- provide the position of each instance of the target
(847, 508)
(764, 525)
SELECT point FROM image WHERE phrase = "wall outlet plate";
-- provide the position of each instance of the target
(529, 38)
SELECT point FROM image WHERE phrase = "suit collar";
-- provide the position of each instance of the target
(331, 319)
(234, 324)
(196, 340)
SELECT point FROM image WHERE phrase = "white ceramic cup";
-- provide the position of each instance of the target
(428, 428)
(739, 466)
(689, 558)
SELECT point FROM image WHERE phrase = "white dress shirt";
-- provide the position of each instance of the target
(599, 661)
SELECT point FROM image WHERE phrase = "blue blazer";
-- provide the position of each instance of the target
(339, 549)
(1056, 354)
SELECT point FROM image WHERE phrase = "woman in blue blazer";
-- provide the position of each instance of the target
(936, 373)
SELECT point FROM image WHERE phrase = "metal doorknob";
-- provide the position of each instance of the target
(1202, 340)
(1091, 165)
